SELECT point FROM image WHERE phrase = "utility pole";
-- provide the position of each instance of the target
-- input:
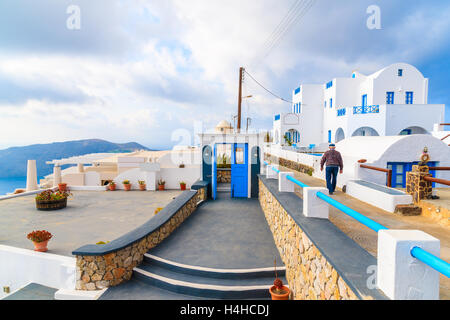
(241, 77)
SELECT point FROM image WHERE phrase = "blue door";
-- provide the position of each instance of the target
(364, 100)
(239, 171)
(214, 174)
(399, 170)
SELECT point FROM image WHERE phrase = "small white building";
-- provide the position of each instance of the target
(390, 102)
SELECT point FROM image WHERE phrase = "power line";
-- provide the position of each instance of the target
(297, 11)
(275, 95)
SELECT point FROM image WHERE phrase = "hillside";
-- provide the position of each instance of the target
(13, 161)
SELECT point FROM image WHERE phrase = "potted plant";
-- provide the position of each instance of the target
(181, 165)
(183, 185)
(161, 184)
(142, 185)
(51, 200)
(126, 185)
(112, 186)
(62, 187)
(40, 239)
(279, 291)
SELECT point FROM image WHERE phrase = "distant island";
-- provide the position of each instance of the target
(13, 161)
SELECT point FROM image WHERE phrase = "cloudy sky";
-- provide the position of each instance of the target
(138, 70)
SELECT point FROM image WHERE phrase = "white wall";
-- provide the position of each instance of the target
(19, 267)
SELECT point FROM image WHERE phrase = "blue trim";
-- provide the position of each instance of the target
(297, 91)
(277, 117)
(364, 100)
(331, 103)
(329, 136)
(400, 72)
(329, 84)
(431, 260)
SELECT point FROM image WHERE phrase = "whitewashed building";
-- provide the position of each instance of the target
(390, 102)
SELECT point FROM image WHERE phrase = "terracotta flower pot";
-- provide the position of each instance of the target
(40, 246)
(142, 187)
(127, 187)
(161, 187)
(276, 296)
(62, 187)
(112, 187)
(183, 187)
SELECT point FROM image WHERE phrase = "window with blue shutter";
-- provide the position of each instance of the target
(400, 72)
(390, 98)
(331, 103)
(409, 97)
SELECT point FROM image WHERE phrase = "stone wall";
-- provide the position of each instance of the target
(95, 272)
(416, 185)
(290, 164)
(223, 175)
(310, 276)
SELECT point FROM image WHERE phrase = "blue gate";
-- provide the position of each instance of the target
(239, 171)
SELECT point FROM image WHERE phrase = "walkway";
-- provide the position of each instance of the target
(367, 238)
(222, 234)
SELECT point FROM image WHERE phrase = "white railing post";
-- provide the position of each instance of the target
(284, 185)
(313, 206)
(270, 173)
(401, 276)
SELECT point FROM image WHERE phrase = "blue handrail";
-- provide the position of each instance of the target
(276, 170)
(301, 184)
(375, 226)
(431, 260)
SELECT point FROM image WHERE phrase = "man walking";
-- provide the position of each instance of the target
(333, 160)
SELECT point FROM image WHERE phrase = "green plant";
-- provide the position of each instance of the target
(141, 182)
(182, 183)
(112, 183)
(101, 243)
(39, 236)
(49, 195)
(126, 182)
(309, 172)
(161, 182)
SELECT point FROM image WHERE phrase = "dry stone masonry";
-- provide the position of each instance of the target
(309, 274)
(416, 184)
(302, 168)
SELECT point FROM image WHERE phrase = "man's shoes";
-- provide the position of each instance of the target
(331, 193)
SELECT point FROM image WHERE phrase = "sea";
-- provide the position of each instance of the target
(8, 185)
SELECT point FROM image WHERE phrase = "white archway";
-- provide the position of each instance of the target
(365, 132)
(340, 135)
(413, 130)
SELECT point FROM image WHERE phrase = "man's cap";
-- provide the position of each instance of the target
(332, 145)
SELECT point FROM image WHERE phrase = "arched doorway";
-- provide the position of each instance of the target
(291, 137)
(413, 130)
(365, 132)
(340, 135)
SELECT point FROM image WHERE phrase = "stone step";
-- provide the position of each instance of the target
(207, 282)
(408, 210)
(150, 260)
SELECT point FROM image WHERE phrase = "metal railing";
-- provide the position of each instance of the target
(388, 171)
(440, 181)
(429, 259)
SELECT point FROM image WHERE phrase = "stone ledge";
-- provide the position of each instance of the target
(101, 266)
(346, 257)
